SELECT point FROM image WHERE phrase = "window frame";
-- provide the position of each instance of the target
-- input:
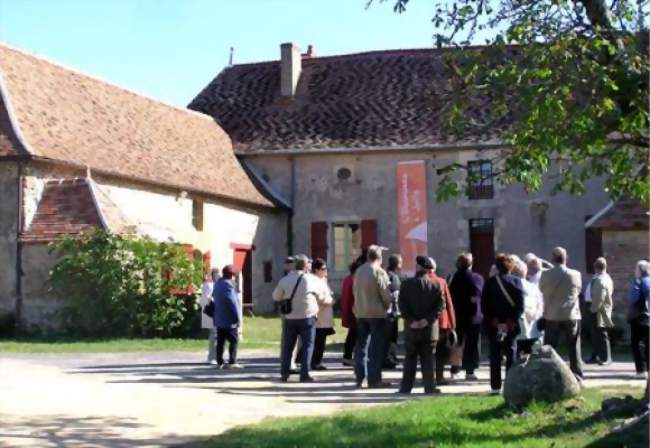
(482, 188)
(348, 253)
(198, 214)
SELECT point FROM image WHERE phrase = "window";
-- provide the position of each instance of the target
(197, 214)
(346, 238)
(479, 181)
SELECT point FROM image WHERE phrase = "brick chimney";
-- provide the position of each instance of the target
(290, 67)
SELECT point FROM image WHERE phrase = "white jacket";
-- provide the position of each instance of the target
(533, 310)
(325, 305)
(206, 296)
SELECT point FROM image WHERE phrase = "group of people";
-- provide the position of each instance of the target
(521, 302)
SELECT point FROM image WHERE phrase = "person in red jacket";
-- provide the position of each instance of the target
(446, 325)
(347, 316)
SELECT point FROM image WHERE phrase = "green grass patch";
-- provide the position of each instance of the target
(445, 421)
(260, 332)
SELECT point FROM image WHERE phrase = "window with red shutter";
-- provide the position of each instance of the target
(368, 233)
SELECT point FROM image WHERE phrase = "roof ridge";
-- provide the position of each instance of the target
(100, 80)
(389, 52)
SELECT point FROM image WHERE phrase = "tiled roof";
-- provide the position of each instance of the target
(66, 208)
(623, 214)
(367, 100)
(67, 116)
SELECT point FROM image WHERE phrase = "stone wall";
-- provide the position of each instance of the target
(523, 222)
(8, 231)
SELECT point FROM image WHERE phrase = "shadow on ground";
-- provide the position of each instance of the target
(63, 431)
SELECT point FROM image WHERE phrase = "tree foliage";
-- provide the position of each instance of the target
(118, 285)
(565, 82)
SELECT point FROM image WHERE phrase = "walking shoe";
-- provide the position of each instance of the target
(642, 375)
(380, 385)
(358, 384)
(306, 379)
(471, 377)
(233, 366)
(433, 391)
(213, 362)
(318, 367)
(348, 362)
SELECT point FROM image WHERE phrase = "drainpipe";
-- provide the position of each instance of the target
(19, 251)
(292, 199)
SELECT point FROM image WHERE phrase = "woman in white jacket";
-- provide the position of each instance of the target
(533, 309)
(207, 322)
(325, 317)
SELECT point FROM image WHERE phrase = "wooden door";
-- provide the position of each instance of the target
(481, 243)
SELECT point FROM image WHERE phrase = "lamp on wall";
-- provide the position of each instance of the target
(181, 195)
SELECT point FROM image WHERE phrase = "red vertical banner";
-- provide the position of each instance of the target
(412, 212)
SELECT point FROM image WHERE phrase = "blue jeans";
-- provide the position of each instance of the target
(291, 329)
(375, 329)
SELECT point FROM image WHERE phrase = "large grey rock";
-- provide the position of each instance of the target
(543, 377)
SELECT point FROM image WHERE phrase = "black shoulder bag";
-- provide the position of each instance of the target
(286, 305)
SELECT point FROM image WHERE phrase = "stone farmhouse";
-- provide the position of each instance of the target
(77, 152)
(334, 136)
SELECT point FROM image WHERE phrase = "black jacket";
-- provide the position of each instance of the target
(420, 298)
(496, 308)
(466, 288)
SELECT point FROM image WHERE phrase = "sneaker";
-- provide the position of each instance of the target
(219, 366)
(471, 377)
(642, 375)
(318, 367)
(348, 362)
(233, 366)
(213, 362)
(380, 385)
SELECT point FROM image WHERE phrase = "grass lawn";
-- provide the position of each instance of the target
(445, 421)
(260, 332)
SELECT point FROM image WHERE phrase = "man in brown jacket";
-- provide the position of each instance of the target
(372, 298)
(421, 302)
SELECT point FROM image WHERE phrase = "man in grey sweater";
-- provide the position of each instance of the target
(372, 298)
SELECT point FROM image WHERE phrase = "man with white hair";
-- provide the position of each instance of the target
(372, 298)
(560, 287)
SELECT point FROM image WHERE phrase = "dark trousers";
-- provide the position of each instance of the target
(291, 329)
(441, 355)
(392, 330)
(350, 341)
(471, 350)
(601, 341)
(418, 345)
(370, 342)
(319, 345)
(569, 331)
(640, 347)
(232, 336)
(590, 323)
(498, 349)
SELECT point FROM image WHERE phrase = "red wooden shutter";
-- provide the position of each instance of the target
(368, 233)
(319, 240)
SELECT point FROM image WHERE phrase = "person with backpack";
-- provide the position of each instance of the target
(638, 316)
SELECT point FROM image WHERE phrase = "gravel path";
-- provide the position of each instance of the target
(157, 399)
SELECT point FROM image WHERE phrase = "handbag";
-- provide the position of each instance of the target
(208, 309)
(286, 305)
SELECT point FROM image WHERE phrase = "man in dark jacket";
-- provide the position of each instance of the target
(421, 303)
(392, 327)
(466, 288)
(226, 317)
(502, 304)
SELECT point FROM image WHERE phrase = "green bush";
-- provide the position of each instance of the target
(117, 285)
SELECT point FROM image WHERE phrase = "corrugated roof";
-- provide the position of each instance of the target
(63, 115)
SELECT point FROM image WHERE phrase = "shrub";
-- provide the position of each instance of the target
(117, 285)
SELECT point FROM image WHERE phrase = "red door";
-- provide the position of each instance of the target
(481, 243)
(243, 262)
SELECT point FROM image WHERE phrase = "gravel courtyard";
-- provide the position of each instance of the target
(169, 398)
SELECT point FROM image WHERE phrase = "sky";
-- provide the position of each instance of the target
(171, 49)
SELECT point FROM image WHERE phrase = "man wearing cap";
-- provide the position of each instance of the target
(372, 298)
(298, 285)
(421, 302)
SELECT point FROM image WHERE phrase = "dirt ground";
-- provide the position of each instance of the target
(157, 399)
